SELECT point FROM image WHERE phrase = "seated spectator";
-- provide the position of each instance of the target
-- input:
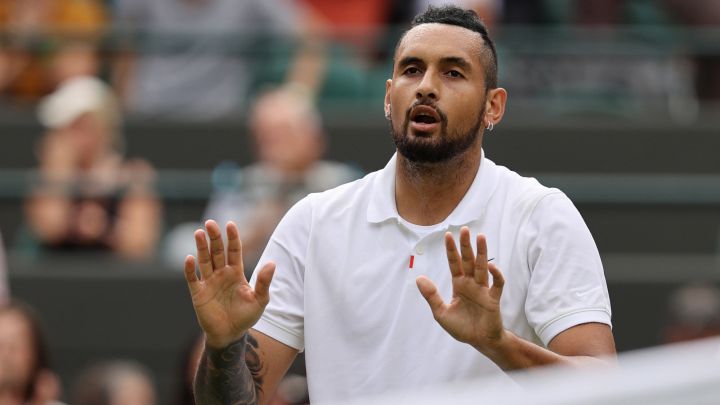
(289, 143)
(700, 14)
(198, 57)
(118, 382)
(25, 373)
(89, 196)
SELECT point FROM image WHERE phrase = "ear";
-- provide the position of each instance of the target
(388, 89)
(495, 106)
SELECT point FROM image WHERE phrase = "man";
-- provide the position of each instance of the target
(191, 71)
(25, 373)
(289, 144)
(350, 261)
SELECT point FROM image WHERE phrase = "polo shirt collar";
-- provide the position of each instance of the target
(472, 206)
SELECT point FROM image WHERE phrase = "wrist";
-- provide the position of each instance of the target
(498, 347)
(218, 344)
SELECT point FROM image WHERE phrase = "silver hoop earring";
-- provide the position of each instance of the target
(388, 111)
(490, 126)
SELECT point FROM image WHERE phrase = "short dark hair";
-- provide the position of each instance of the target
(468, 19)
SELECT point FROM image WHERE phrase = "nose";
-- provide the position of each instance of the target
(427, 88)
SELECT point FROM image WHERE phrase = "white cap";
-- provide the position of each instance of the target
(75, 97)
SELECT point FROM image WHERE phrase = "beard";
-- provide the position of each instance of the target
(425, 150)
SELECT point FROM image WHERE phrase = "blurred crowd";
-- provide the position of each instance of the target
(201, 59)
(86, 66)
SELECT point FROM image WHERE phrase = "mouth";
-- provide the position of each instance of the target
(424, 119)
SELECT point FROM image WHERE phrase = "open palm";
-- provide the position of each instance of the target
(473, 314)
(225, 303)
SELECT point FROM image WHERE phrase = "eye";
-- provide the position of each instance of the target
(454, 73)
(411, 70)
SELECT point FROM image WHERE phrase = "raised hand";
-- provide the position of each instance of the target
(225, 304)
(473, 314)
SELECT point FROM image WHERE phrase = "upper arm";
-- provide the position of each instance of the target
(268, 361)
(567, 287)
(591, 339)
(279, 332)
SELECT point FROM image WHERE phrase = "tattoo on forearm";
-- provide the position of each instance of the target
(232, 375)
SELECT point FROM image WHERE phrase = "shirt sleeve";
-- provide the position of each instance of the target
(283, 319)
(567, 285)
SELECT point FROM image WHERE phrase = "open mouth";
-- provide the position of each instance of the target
(424, 119)
(424, 115)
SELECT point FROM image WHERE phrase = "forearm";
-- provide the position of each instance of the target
(229, 375)
(514, 353)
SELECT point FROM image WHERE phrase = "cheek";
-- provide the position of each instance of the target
(465, 115)
(400, 100)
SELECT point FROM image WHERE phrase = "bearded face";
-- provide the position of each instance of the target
(426, 147)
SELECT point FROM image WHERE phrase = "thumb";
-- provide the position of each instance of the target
(429, 292)
(262, 284)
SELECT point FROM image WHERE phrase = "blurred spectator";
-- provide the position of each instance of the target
(46, 43)
(701, 14)
(289, 143)
(196, 57)
(89, 196)
(694, 313)
(4, 290)
(25, 374)
(118, 382)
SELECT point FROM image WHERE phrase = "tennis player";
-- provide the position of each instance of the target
(368, 279)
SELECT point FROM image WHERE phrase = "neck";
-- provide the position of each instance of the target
(426, 193)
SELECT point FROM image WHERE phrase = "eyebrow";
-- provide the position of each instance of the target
(410, 60)
(457, 61)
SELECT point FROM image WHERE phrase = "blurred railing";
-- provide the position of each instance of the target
(670, 189)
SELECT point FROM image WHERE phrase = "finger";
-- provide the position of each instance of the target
(498, 281)
(429, 292)
(203, 255)
(481, 263)
(453, 256)
(217, 247)
(468, 256)
(262, 284)
(190, 275)
(234, 248)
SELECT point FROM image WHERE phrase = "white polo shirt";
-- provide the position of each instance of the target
(344, 289)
